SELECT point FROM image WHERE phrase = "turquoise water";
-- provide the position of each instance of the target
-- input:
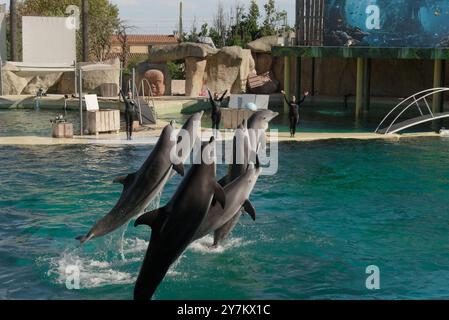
(333, 209)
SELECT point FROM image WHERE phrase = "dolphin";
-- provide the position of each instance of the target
(237, 196)
(261, 118)
(139, 188)
(248, 133)
(258, 124)
(255, 127)
(190, 132)
(174, 225)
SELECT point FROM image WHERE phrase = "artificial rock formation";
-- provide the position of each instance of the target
(194, 68)
(229, 70)
(218, 70)
(194, 55)
(95, 75)
(164, 53)
(263, 45)
(266, 63)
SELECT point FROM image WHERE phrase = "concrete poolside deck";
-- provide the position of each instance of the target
(151, 136)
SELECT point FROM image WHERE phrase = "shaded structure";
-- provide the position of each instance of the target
(358, 31)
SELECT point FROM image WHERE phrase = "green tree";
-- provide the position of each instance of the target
(103, 21)
(275, 21)
(252, 20)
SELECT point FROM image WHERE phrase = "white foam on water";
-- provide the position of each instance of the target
(95, 272)
(134, 245)
(205, 245)
(123, 141)
(92, 273)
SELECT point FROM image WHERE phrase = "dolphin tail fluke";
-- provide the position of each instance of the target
(84, 239)
(249, 209)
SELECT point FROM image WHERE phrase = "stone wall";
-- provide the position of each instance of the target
(16, 82)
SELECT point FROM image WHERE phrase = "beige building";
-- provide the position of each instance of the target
(138, 43)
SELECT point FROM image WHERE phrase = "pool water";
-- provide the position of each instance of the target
(330, 117)
(333, 208)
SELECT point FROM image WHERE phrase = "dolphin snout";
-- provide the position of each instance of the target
(274, 115)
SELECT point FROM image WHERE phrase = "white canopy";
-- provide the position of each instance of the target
(48, 40)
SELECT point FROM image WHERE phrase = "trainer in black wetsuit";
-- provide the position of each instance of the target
(216, 105)
(293, 113)
(130, 110)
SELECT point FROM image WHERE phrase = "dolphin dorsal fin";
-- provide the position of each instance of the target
(148, 218)
(224, 181)
(179, 168)
(219, 195)
(249, 209)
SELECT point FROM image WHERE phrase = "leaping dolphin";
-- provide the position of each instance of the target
(256, 126)
(174, 225)
(141, 187)
(237, 196)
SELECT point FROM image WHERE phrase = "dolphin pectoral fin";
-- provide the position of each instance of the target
(179, 168)
(148, 218)
(124, 179)
(120, 179)
(219, 195)
(249, 209)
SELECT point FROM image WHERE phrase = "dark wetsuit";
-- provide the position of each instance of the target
(293, 114)
(130, 110)
(216, 112)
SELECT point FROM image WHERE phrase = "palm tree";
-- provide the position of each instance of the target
(13, 29)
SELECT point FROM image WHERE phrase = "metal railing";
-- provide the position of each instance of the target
(415, 99)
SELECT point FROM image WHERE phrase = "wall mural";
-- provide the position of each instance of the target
(387, 23)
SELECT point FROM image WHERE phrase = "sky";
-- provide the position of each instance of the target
(161, 16)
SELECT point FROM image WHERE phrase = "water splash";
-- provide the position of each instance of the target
(155, 204)
(93, 273)
(205, 245)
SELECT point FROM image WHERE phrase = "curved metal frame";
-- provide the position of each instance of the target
(415, 101)
(144, 82)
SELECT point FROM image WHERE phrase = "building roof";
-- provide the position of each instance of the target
(146, 39)
(133, 55)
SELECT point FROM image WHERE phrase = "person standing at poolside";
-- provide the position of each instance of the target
(130, 110)
(215, 102)
(293, 113)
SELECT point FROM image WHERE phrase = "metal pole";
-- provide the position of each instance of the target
(121, 79)
(438, 100)
(140, 107)
(81, 100)
(298, 84)
(76, 78)
(359, 87)
(367, 87)
(134, 83)
(313, 77)
(13, 31)
(1, 77)
(287, 78)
